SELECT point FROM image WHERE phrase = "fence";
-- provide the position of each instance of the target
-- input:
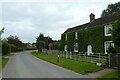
(107, 60)
(82, 56)
(94, 58)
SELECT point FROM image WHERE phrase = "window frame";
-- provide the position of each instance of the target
(76, 35)
(66, 36)
(105, 45)
(107, 27)
(76, 45)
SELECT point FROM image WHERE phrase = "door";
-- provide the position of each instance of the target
(89, 49)
(65, 48)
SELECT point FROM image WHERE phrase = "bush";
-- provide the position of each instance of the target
(13, 48)
(30, 49)
(6, 49)
(20, 49)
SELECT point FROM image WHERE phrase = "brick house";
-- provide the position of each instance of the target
(91, 37)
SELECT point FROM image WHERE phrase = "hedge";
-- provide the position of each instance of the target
(6, 48)
(13, 48)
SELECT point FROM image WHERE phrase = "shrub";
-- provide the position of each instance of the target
(5, 48)
(13, 48)
(20, 49)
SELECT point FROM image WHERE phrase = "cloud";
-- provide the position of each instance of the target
(28, 19)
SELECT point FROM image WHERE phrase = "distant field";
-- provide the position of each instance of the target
(76, 66)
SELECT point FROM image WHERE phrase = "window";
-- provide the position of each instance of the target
(107, 45)
(108, 29)
(66, 36)
(76, 47)
(76, 35)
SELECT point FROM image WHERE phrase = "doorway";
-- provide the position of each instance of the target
(89, 49)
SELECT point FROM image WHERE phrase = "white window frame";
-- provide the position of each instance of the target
(66, 36)
(76, 44)
(106, 29)
(76, 35)
(105, 45)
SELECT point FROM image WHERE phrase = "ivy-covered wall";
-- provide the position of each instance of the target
(91, 36)
(62, 42)
(70, 41)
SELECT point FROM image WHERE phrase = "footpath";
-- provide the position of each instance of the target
(99, 73)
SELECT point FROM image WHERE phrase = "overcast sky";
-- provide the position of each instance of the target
(28, 18)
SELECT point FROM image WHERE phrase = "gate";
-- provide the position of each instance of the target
(115, 61)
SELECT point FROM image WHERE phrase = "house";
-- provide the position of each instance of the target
(91, 37)
(30, 46)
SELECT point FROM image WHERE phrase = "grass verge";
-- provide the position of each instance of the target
(76, 66)
(3, 62)
(9, 54)
(115, 75)
(0, 65)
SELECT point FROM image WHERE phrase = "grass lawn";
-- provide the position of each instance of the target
(110, 76)
(77, 66)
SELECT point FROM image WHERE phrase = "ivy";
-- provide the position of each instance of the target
(93, 37)
(70, 41)
(90, 36)
(62, 42)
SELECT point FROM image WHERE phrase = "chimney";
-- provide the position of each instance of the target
(92, 17)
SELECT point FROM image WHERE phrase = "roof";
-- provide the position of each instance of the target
(100, 21)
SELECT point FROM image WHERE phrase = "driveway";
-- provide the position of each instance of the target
(24, 65)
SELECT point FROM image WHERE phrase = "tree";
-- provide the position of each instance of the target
(47, 41)
(56, 44)
(40, 42)
(116, 31)
(16, 41)
(43, 42)
(112, 8)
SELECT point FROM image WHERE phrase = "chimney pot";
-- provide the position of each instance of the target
(92, 17)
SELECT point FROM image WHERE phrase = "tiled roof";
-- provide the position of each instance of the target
(100, 21)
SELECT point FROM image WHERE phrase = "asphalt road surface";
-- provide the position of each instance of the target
(24, 65)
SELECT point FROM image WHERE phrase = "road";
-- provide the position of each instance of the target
(24, 65)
